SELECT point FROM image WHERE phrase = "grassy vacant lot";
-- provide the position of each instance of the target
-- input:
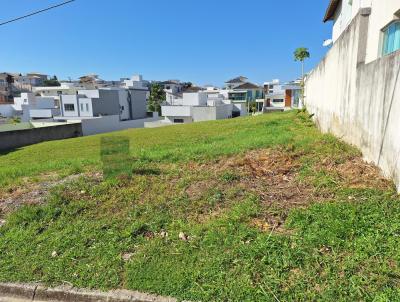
(252, 209)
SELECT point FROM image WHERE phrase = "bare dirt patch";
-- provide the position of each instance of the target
(273, 176)
(35, 193)
(356, 173)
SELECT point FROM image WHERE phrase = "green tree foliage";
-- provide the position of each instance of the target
(157, 96)
(53, 82)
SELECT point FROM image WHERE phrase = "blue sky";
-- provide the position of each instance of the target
(203, 41)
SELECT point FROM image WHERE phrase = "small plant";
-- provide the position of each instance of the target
(229, 177)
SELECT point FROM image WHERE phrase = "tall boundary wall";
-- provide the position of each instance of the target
(10, 140)
(358, 102)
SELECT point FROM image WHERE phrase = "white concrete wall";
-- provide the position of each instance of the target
(224, 111)
(186, 119)
(111, 123)
(359, 102)
(195, 99)
(85, 107)
(70, 99)
(7, 110)
(176, 111)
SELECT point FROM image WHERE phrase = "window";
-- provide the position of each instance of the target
(81, 107)
(178, 121)
(391, 38)
(278, 100)
(87, 107)
(69, 107)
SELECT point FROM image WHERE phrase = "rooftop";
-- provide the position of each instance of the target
(330, 12)
(247, 85)
(239, 79)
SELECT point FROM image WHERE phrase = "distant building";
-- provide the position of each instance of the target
(128, 104)
(279, 95)
(235, 82)
(31, 107)
(33, 78)
(201, 105)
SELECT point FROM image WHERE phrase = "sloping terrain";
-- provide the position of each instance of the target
(252, 209)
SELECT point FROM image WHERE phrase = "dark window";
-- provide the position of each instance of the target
(278, 100)
(69, 107)
(178, 121)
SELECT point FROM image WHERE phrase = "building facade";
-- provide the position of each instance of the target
(196, 107)
(383, 23)
(354, 92)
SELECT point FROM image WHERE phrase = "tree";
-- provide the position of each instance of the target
(187, 85)
(53, 82)
(301, 54)
(157, 96)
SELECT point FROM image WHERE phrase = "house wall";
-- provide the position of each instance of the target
(7, 110)
(186, 119)
(70, 99)
(85, 107)
(195, 99)
(201, 114)
(139, 103)
(107, 103)
(383, 12)
(112, 123)
(224, 111)
(356, 101)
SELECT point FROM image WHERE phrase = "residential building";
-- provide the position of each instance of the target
(31, 107)
(34, 78)
(235, 82)
(128, 104)
(196, 106)
(6, 81)
(241, 90)
(136, 81)
(279, 95)
(383, 23)
(173, 89)
(354, 92)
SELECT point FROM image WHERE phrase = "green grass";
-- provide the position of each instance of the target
(342, 247)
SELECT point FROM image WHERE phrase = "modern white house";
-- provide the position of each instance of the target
(127, 104)
(354, 92)
(135, 82)
(241, 90)
(280, 96)
(31, 107)
(195, 107)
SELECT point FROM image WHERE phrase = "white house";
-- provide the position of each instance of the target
(32, 107)
(195, 107)
(383, 23)
(136, 81)
(127, 104)
(279, 95)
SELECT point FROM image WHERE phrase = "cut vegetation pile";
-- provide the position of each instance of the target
(251, 209)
